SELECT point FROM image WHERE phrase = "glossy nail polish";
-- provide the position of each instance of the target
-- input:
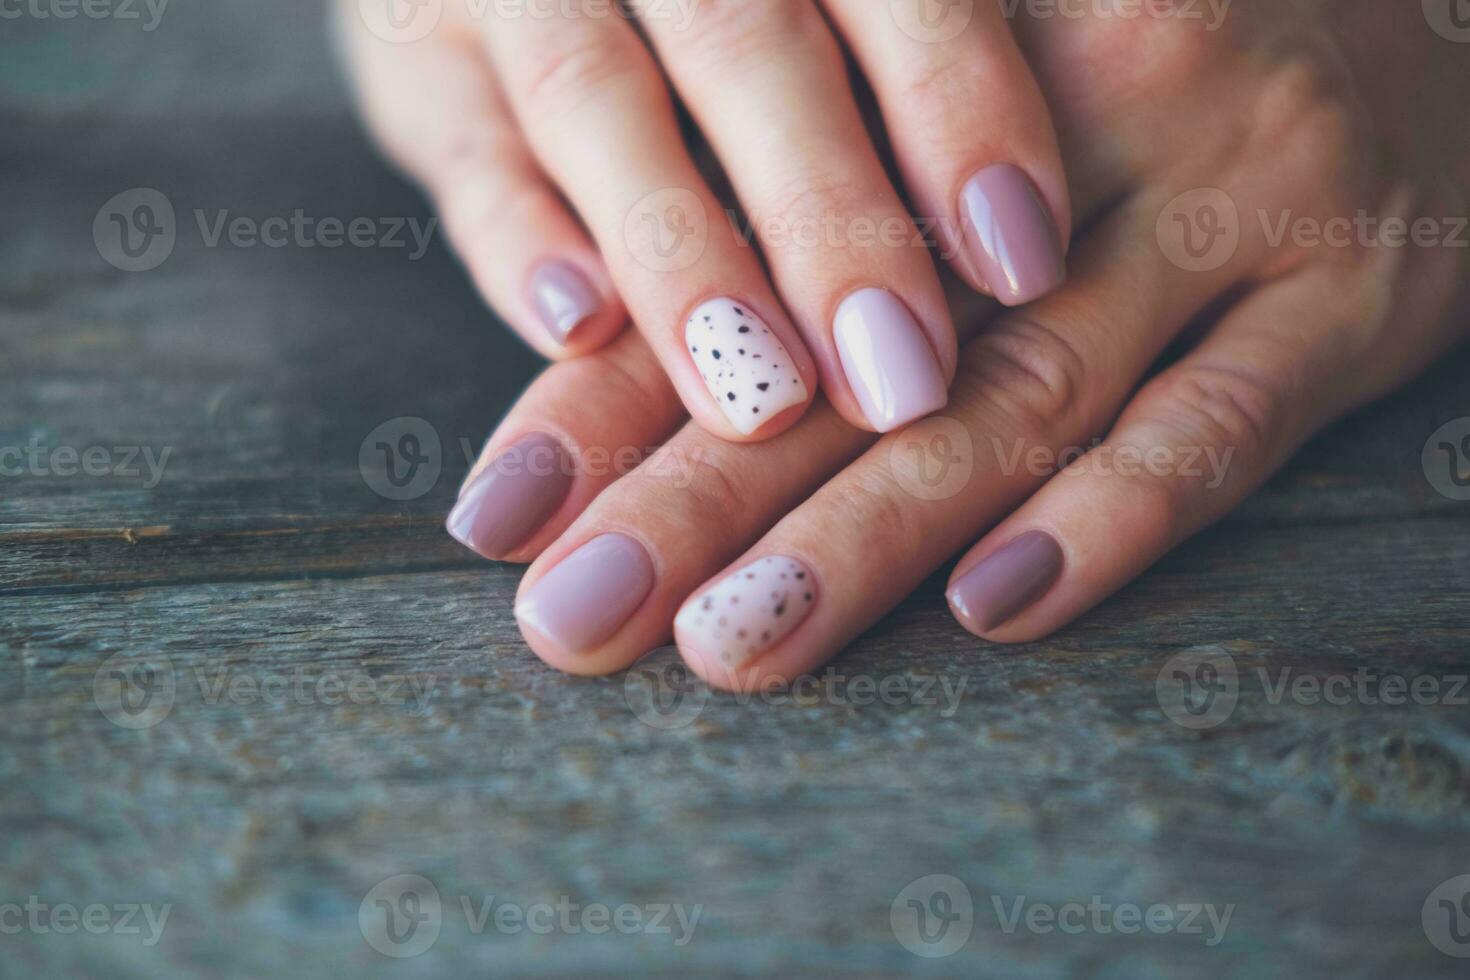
(586, 598)
(1011, 235)
(1008, 582)
(887, 359)
(749, 611)
(743, 363)
(510, 499)
(563, 298)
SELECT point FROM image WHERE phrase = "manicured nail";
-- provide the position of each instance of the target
(744, 364)
(563, 297)
(584, 600)
(1011, 235)
(749, 611)
(887, 359)
(510, 499)
(1001, 586)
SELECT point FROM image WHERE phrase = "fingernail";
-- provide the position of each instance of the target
(1000, 587)
(744, 364)
(512, 497)
(749, 611)
(1011, 235)
(888, 361)
(585, 600)
(563, 297)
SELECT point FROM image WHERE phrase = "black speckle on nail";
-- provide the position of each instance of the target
(764, 385)
(716, 354)
(730, 395)
(744, 329)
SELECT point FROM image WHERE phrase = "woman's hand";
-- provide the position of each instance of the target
(517, 115)
(1254, 198)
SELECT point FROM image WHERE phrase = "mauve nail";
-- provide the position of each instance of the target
(887, 359)
(1011, 235)
(1006, 583)
(563, 297)
(590, 594)
(512, 497)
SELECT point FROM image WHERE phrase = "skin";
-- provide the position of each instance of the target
(1294, 111)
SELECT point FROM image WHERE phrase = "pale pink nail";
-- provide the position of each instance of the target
(887, 359)
(587, 598)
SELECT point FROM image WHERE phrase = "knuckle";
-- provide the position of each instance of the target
(830, 195)
(718, 493)
(1229, 407)
(1028, 371)
(728, 34)
(1305, 112)
(871, 501)
(568, 72)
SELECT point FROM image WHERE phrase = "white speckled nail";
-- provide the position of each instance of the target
(743, 363)
(749, 611)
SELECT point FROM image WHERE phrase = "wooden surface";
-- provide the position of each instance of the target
(263, 570)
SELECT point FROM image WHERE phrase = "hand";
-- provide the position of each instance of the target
(507, 108)
(1285, 120)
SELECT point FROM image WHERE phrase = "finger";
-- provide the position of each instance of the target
(972, 135)
(1196, 440)
(605, 592)
(1050, 376)
(550, 457)
(436, 109)
(598, 116)
(768, 86)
